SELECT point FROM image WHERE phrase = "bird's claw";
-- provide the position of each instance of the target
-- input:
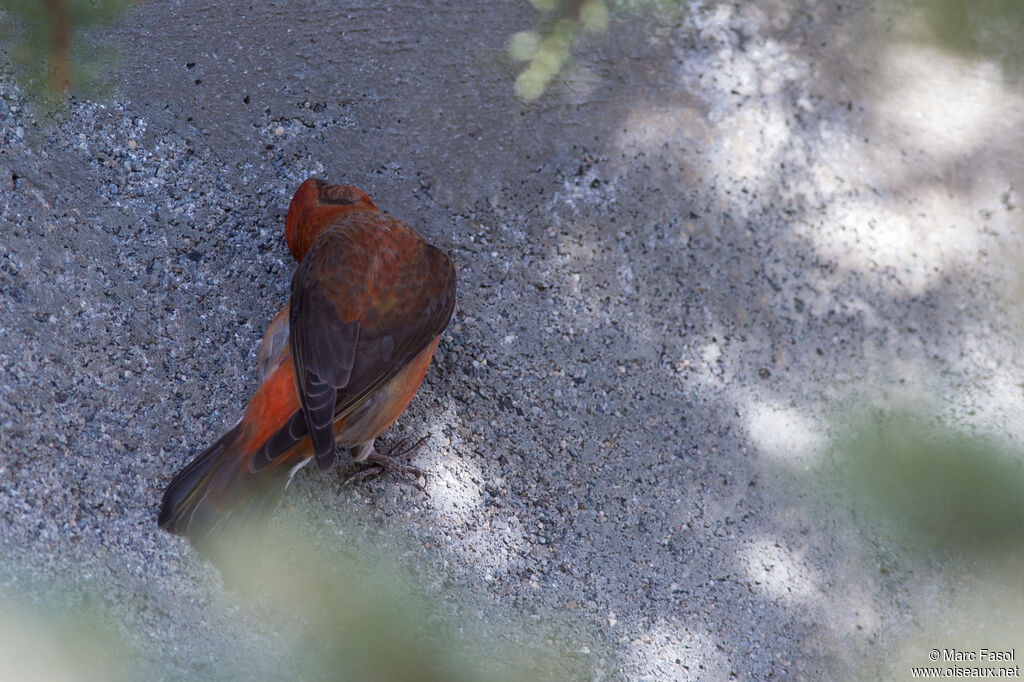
(393, 461)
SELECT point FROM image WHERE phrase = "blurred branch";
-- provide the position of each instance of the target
(60, 48)
(49, 47)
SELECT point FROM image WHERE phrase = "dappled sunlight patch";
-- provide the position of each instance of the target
(455, 495)
(922, 188)
(742, 132)
(784, 434)
(650, 127)
(453, 492)
(849, 604)
(947, 104)
(750, 140)
(670, 651)
(894, 245)
(778, 572)
(581, 193)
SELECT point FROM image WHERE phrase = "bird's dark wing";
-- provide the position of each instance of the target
(369, 295)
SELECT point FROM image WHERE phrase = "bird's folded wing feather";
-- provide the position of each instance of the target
(365, 300)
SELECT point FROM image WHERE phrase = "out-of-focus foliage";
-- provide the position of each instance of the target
(546, 51)
(926, 486)
(50, 47)
(54, 643)
(991, 29)
(922, 489)
(334, 610)
(355, 618)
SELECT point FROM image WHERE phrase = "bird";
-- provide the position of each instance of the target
(338, 364)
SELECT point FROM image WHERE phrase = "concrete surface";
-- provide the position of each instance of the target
(716, 233)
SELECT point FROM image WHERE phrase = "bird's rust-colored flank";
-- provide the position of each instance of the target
(338, 363)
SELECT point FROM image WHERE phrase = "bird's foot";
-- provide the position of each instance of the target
(393, 461)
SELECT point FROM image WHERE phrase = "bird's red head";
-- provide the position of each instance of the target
(314, 206)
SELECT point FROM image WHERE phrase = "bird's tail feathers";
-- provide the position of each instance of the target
(218, 503)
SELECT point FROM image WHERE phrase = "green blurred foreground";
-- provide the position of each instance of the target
(343, 615)
(930, 487)
(941, 510)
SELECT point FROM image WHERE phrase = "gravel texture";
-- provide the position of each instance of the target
(715, 234)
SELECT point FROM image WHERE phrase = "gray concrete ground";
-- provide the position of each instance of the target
(714, 236)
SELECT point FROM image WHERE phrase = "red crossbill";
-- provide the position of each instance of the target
(338, 363)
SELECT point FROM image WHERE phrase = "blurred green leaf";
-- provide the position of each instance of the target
(544, 5)
(930, 487)
(337, 610)
(594, 16)
(548, 49)
(547, 60)
(523, 46)
(989, 30)
(357, 619)
(58, 641)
